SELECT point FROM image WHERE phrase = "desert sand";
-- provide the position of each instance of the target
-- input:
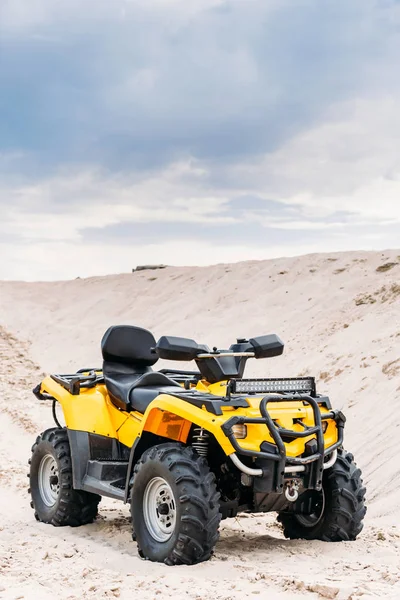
(339, 315)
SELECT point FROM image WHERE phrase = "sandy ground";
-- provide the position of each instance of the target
(340, 318)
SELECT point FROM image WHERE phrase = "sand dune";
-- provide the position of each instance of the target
(339, 315)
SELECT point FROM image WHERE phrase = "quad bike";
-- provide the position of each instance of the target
(189, 448)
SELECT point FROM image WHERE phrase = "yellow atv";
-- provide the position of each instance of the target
(189, 448)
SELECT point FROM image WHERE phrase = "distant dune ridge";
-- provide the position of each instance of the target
(339, 315)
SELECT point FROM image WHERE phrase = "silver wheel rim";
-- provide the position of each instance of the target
(313, 519)
(48, 480)
(159, 509)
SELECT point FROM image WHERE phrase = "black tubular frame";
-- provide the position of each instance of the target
(187, 378)
(84, 378)
(90, 377)
(277, 432)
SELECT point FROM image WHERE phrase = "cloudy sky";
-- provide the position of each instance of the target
(195, 131)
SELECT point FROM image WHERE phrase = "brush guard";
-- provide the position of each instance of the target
(278, 456)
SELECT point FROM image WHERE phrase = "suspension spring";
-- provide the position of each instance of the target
(200, 441)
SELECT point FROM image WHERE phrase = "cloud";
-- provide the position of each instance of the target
(241, 128)
(95, 207)
(136, 85)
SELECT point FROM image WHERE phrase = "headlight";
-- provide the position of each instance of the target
(239, 431)
(324, 426)
(305, 385)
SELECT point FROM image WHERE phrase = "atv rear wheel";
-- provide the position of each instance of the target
(174, 506)
(53, 498)
(339, 508)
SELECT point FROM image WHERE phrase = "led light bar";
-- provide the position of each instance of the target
(300, 385)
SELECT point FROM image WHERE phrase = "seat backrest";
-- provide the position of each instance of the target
(129, 345)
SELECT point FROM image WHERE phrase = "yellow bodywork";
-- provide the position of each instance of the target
(92, 411)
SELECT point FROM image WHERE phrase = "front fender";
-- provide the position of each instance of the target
(175, 417)
(171, 418)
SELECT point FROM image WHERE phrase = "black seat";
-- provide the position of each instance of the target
(140, 397)
(129, 378)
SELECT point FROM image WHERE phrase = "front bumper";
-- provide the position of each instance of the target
(271, 461)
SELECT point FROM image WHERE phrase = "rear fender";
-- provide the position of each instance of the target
(90, 411)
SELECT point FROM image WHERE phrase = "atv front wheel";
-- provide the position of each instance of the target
(174, 506)
(339, 508)
(53, 498)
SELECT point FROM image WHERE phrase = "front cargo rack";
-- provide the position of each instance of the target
(282, 385)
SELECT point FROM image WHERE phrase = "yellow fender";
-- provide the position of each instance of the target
(170, 417)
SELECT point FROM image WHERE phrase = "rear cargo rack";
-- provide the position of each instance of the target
(84, 378)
